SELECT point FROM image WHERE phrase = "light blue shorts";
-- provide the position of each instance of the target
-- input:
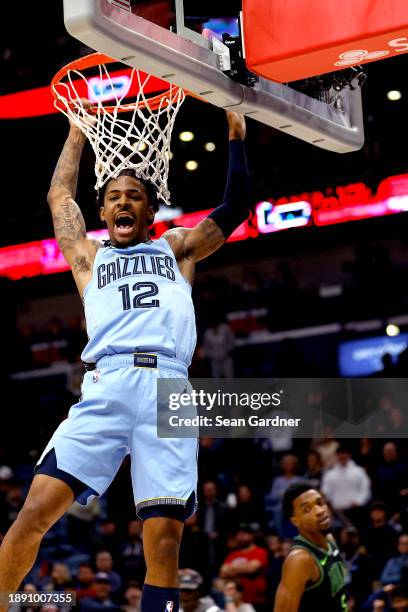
(117, 416)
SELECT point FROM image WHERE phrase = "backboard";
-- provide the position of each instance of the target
(171, 40)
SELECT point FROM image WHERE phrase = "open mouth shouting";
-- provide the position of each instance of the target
(124, 224)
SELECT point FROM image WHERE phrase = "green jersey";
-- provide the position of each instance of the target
(328, 593)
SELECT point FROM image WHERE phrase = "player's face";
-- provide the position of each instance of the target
(126, 211)
(311, 513)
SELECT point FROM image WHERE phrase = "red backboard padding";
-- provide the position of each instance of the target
(287, 40)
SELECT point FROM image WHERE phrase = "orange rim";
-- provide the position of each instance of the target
(96, 59)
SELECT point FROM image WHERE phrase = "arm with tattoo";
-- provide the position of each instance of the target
(69, 224)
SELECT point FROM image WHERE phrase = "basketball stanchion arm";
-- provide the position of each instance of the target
(307, 118)
(142, 44)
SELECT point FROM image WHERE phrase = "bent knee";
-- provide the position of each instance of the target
(35, 515)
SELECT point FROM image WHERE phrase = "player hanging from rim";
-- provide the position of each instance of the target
(313, 574)
(141, 325)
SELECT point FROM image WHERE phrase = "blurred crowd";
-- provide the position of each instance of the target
(233, 548)
(234, 317)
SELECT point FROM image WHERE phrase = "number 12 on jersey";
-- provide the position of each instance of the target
(143, 291)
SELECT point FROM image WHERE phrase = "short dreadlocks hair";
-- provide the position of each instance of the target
(150, 189)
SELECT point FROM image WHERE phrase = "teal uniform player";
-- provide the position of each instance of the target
(313, 574)
(328, 593)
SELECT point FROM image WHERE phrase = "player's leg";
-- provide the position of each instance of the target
(80, 461)
(161, 544)
(47, 500)
(164, 477)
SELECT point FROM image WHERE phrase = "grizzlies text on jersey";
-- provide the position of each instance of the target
(138, 301)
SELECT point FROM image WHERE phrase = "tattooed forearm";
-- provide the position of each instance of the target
(65, 177)
(69, 224)
(81, 264)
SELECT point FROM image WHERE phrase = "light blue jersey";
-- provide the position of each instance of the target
(141, 328)
(138, 301)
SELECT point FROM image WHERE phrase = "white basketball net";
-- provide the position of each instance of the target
(138, 139)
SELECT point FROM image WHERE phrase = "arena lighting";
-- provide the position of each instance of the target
(191, 165)
(392, 330)
(139, 146)
(210, 147)
(351, 203)
(186, 136)
(394, 95)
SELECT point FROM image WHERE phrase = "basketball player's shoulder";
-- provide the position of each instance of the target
(176, 239)
(298, 555)
(300, 564)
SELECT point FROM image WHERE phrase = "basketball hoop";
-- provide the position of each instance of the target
(134, 135)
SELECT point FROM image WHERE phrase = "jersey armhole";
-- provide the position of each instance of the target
(319, 582)
(94, 266)
(189, 285)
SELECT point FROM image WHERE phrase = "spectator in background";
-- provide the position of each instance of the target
(275, 562)
(213, 458)
(11, 507)
(314, 470)
(233, 601)
(367, 456)
(248, 564)
(357, 563)
(347, 486)
(107, 539)
(218, 342)
(30, 589)
(395, 567)
(6, 476)
(195, 549)
(211, 510)
(391, 477)
(327, 447)
(389, 418)
(84, 581)
(399, 599)
(60, 579)
(133, 596)
(23, 356)
(381, 539)
(132, 553)
(104, 564)
(290, 469)
(101, 600)
(247, 510)
(191, 599)
(80, 522)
